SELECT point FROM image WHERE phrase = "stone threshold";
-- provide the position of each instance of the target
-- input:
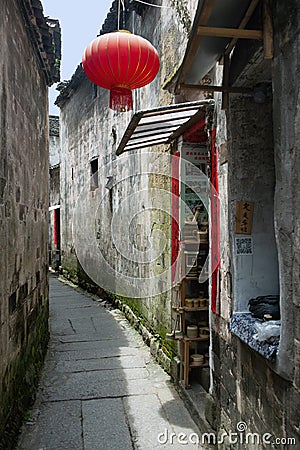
(200, 405)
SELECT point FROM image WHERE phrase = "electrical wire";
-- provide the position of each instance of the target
(139, 1)
(151, 4)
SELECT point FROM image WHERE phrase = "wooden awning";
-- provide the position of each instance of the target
(161, 125)
(217, 26)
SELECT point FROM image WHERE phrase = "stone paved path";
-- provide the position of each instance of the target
(100, 388)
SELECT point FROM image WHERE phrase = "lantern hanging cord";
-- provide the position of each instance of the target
(151, 4)
(119, 12)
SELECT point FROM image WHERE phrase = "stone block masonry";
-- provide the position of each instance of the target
(26, 69)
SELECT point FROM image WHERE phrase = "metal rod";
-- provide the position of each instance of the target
(209, 87)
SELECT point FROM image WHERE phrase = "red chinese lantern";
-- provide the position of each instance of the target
(120, 61)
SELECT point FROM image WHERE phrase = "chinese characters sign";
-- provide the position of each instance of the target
(243, 217)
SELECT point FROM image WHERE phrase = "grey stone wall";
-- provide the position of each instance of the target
(23, 216)
(54, 191)
(262, 165)
(54, 141)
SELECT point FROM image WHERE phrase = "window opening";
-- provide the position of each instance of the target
(94, 174)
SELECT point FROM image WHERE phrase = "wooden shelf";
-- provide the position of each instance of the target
(182, 309)
(195, 241)
(201, 366)
(174, 338)
(193, 309)
(194, 249)
(197, 339)
(193, 365)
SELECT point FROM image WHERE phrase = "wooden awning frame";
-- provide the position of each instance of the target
(266, 35)
(162, 125)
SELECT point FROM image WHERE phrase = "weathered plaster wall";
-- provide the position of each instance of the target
(54, 190)
(54, 161)
(23, 219)
(239, 386)
(54, 141)
(252, 178)
(54, 194)
(89, 129)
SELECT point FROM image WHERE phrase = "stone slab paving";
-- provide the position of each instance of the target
(100, 388)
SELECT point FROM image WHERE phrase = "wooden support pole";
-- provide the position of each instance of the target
(225, 96)
(268, 29)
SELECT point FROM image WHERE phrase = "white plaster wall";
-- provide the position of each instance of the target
(87, 126)
(252, 178)
(54, 150)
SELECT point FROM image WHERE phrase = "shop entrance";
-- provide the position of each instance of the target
(193, 285)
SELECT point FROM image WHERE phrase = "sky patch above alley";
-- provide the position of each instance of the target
(80, 23)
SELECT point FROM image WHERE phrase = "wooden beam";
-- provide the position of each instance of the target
(225, 95)
(212, 88)
(267, 29)
(230, 32)
(243, 24)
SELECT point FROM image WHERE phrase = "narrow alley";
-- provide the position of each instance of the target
(100, 388)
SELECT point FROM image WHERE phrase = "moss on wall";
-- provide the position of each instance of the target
(17, 391)
(154, 336)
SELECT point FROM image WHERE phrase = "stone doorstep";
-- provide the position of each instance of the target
(197, 401)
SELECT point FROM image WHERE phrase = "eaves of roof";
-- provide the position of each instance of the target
(45, 36)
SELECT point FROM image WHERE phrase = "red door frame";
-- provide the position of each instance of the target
(175, 210)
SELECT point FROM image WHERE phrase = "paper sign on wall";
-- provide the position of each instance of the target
(243, 217)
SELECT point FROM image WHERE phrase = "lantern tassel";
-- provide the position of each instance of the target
(120, 99)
